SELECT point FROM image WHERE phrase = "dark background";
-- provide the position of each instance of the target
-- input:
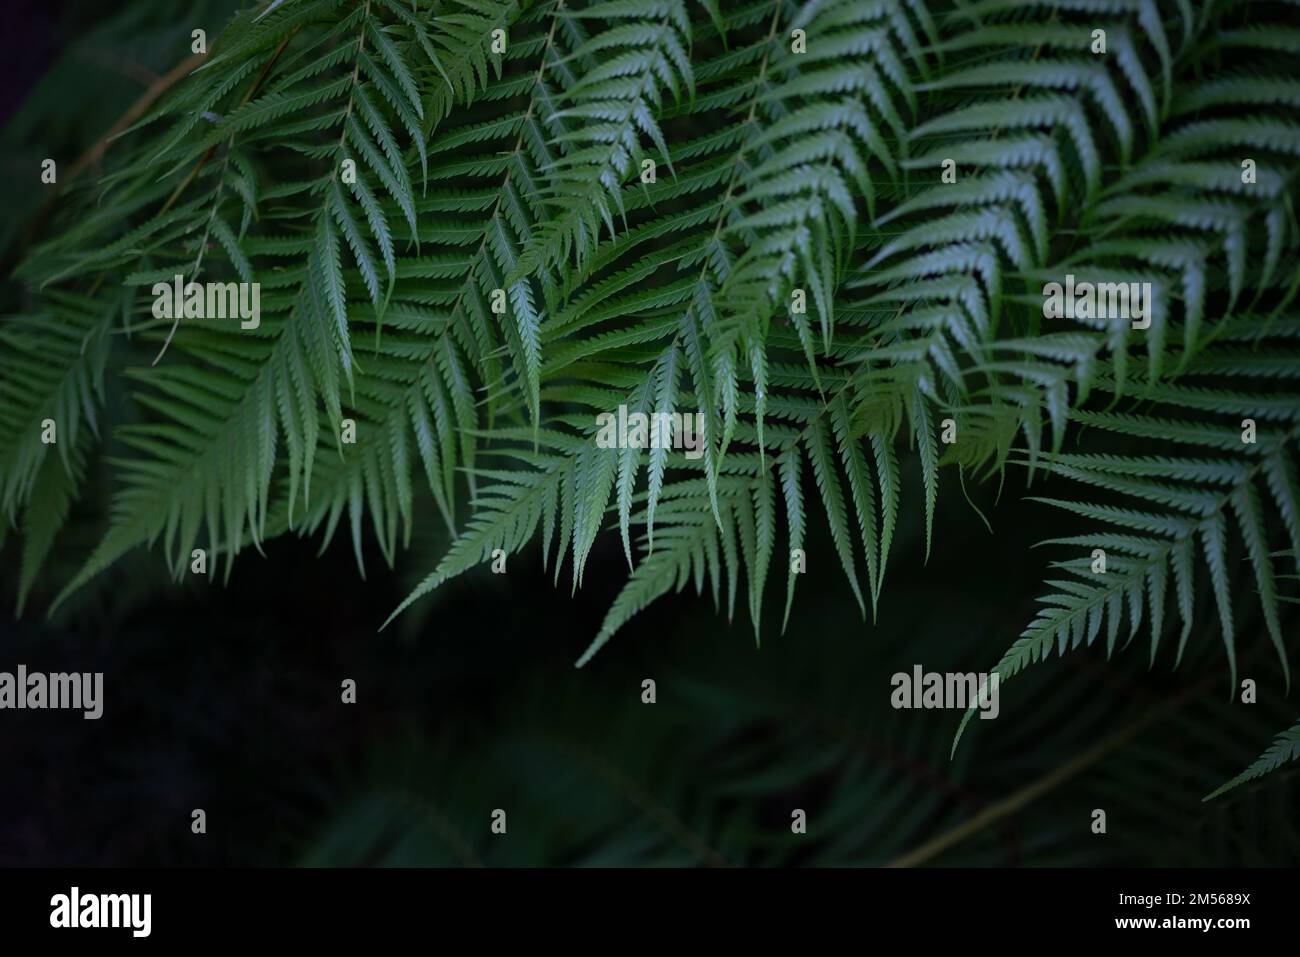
(227, 698)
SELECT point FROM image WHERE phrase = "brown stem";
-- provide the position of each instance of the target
(97, 150)
(248, 95)
(1035, 789)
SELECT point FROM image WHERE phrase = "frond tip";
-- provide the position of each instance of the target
(1284, 750)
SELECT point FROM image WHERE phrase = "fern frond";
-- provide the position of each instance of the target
(1284, 750)
(1172, 512)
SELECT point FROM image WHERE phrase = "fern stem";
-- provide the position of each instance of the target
(221, 185)
(100, 147)
(248, 95)
(1036, 789)
(352, 93)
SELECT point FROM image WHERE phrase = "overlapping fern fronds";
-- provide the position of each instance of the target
(562, 207)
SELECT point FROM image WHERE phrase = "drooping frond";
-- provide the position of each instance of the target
(1222, 495)
(278, 379)
(1283, 751)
